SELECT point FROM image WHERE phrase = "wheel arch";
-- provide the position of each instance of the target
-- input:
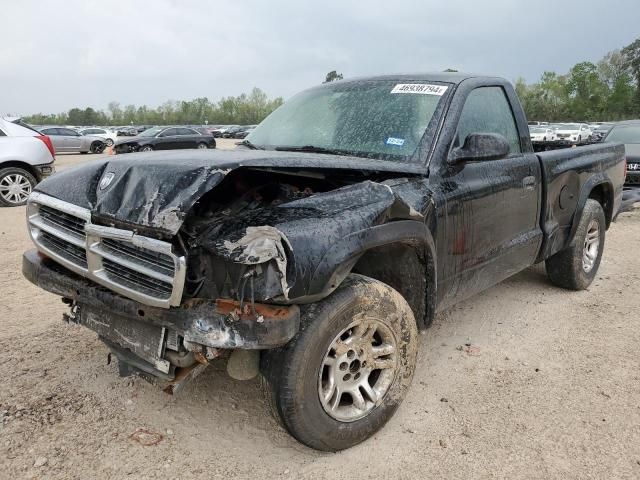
(599, 188)
(400, 254)
(24, 165)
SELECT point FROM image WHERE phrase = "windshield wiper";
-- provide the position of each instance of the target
(314, 149)
(249, 145)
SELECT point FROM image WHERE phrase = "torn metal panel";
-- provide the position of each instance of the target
(158, 189)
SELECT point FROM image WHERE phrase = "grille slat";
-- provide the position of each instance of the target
(134, 278)
(68, 250)
(150, 274)
(153, 260)
(69, 223)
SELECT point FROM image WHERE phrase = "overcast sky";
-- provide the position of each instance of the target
(55, 55)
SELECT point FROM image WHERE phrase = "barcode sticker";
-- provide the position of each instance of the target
(420, 88)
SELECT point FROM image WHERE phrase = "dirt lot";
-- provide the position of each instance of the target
(548, 388)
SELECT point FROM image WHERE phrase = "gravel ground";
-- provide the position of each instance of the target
(523, 381)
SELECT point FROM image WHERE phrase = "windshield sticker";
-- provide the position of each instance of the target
(398, 142)
(420, 88)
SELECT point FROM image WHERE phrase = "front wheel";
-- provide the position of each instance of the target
(15, 186)
(342, 377)
(576, 266)
(147, 148)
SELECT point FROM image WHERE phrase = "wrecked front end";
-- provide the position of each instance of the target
(172, 273)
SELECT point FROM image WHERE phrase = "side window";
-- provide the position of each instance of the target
(170, 132)
(487, 110)
(50, 131)
(68, 132)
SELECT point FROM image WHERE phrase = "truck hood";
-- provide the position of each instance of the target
(158, 189)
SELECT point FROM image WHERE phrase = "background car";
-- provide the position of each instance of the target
(66, 140)
(601, 131)
(127, 131)
(231, 131)
(629, 134)
(26, 157)
(244, 132)
(573, 133)
(109, 136)
(542, 134)
(165, 138)
(219, 132)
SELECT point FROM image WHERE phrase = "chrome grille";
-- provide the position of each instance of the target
(136, 280)
(70, 252)
(141, 268)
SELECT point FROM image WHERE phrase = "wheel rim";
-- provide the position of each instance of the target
(109, 142)
(202, 146)
(15, 188)
(146, 149)
(591, 246)
(359, 367)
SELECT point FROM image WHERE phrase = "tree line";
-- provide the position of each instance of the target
(603, 91)
(245, 109)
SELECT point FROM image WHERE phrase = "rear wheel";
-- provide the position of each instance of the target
(576, 266)
(147, 148)
(15, 186)
(202, 146)
(97, 147)
(342, 377)
(109, 142)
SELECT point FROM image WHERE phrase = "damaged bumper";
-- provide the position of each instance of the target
(219, 324)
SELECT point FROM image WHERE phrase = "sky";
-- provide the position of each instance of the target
(56, 55)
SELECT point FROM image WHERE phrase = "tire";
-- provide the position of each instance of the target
(109, 142)
(97, 147)
(15, 186)
(147, 148)
(576, 266)
(202, 146)
(359, 316)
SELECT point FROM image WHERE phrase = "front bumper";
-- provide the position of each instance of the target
(633, 178)
(44, 171)
(210, 323)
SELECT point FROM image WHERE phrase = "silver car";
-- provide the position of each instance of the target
(68, 140)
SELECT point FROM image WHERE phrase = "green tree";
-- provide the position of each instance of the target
(631, 54)
(332, 76)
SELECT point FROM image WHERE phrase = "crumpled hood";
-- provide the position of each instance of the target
(158, 189)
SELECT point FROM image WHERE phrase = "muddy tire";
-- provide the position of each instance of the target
(576, 266)
(342, 377)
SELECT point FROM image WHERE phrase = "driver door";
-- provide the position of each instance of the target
(492, 224)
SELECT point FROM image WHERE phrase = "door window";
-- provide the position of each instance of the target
(487, 110)
(170, 132)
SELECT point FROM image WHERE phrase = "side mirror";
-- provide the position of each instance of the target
(481, 146)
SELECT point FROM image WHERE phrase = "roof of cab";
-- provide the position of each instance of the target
(444, 77)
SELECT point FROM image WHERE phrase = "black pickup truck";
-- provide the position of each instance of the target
(314, 252)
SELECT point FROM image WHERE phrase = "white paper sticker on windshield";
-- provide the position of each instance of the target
(420, 88)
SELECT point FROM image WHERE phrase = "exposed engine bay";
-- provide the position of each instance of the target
(245, 206)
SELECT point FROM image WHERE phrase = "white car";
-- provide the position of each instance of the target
(542, 134)
(26, 157)
(109, 136)
(573, 133)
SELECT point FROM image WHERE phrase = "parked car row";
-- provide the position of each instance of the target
(166, 138)
(545, 136)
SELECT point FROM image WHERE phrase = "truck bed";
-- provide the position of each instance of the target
(568, 177)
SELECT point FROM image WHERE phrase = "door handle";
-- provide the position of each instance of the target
(529, 183)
